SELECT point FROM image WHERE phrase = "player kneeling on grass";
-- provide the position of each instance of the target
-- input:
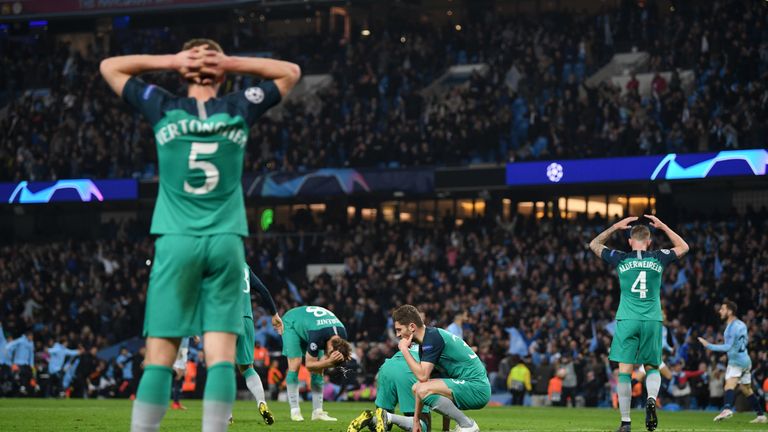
(246, 341)
(739, 367)
(309, 332)
(465, 385)
(394, 386)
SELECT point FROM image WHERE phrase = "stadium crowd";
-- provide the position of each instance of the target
(527, 294)
(531, 103)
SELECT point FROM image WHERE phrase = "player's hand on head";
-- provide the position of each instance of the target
(212, 68)
(277, 323)
(655, 222)
(624, 223)
(188, 63)
(336, 357)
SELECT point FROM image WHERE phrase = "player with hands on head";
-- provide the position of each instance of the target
(199, 216)
(639, 319)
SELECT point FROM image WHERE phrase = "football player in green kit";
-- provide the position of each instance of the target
(464, 384)
(199, 216)
(394, 387)
(638, 335)
(315, 335)
(246, 341)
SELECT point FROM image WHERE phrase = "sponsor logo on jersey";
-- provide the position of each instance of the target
(255, 95)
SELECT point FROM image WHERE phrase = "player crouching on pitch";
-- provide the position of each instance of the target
(464, 385)
(394, 386)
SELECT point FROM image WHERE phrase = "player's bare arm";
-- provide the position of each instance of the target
(284, 74)
(598, 243)
(118, 70)
(680, 246)
(421, 370)
(316, 365)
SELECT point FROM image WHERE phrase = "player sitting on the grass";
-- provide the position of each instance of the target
(246, 341)
(199, 216)
(309, 332)
(739, 367)
(637, 339)
(464, 385)
(394, 386)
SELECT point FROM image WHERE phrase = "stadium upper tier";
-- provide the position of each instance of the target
(530, 102)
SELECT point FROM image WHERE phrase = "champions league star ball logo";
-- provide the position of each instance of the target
(313, 346)
(554, 172)
(255, 95)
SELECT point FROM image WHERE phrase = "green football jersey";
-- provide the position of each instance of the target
(640, 275)
(200, 148)
(314, 326)
(452, 357)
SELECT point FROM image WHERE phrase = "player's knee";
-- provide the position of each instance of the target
(421, 390)
(294, 364)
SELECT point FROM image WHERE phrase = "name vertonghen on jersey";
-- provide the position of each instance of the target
(651, 265)
(232, 132)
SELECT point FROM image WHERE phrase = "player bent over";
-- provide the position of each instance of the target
(199, 217)
(739, 367)
(638, 335)
(464, 385)
(309, 332)
(394, 386)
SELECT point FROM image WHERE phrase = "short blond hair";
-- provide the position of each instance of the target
(640, 233)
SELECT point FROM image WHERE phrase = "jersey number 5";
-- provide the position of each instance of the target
(210, 170)
(640, 285)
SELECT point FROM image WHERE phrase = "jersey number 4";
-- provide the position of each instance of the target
(210, 170)
(640, 285)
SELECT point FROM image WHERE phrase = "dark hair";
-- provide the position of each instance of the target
(732, 306)
(407, 314)
(342, 346)
(640, 233)
(212, 44)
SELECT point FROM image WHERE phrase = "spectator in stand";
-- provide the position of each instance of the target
(519, 381)
(542, 374)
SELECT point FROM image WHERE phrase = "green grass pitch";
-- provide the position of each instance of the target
(113, 415)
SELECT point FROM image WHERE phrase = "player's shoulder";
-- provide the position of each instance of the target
(434, 335)
(614, 254)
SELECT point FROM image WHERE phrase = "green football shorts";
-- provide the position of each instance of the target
(194, 286)
(394, 386)
(467, 394)
(245, 344)
(293, 345)
(637, 342)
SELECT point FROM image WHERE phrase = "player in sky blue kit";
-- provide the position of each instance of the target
(739, 363)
